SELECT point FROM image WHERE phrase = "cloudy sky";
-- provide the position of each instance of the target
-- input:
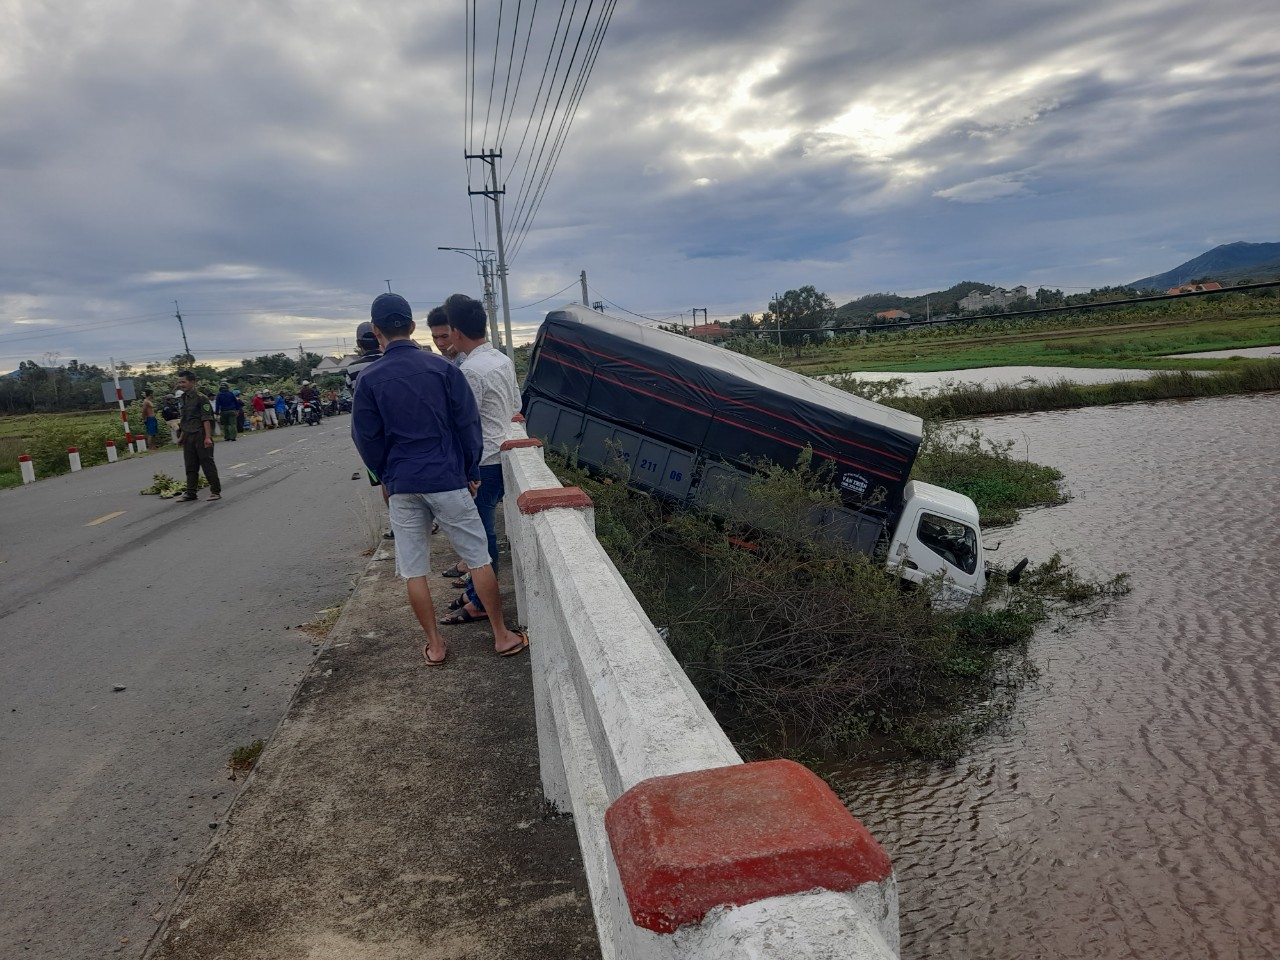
(269, 165)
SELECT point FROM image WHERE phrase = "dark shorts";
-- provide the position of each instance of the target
(152, 426)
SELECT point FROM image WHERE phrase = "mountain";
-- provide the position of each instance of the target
(1230, 262)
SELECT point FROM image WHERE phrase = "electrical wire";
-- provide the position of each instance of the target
(493, 75)
(524, 306)
(525, 180)
(562, 136)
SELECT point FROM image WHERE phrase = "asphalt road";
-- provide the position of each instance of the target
(107, 797)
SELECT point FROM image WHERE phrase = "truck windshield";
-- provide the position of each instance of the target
(955, 542)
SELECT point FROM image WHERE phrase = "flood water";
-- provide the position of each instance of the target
(1012, 376)
(1132, 807)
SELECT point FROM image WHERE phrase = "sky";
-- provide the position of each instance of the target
(271, 165)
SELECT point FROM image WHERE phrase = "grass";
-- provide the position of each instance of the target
(243, 758)
(320, 627)
(973, 400)
(1000, 483)
(1132, 338)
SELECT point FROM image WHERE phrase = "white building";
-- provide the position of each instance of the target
(999, 297)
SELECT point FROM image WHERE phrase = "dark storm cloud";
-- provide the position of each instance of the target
(269, 165)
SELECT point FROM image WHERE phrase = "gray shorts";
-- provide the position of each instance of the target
(411, 517)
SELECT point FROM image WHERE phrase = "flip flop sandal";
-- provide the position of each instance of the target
(215, 496)
(426, 655)
(462, 582)
(520, 647)
(458, 602)
(453, 572)
(463, 617)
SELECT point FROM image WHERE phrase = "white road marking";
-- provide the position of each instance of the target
(270, 452)
(237, 466)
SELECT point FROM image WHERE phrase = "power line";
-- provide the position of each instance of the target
(544, 299)
(522, 190)
(562, 137)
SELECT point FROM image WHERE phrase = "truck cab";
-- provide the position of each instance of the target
(938, 537)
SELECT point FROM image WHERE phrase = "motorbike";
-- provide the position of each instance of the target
(344, 404)
(309, 412)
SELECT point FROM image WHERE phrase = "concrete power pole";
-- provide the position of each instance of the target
(490, 307)
(178, 313)
(491, 157)
(585, 301)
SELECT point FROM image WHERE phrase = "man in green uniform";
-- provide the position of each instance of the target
(195, 430)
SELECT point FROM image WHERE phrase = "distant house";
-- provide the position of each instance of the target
(1195, 287)
(329, 365)
(892, 315)
(999, 297)
(710, 331)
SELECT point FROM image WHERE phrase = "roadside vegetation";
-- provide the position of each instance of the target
(800, 647)
(974, 400)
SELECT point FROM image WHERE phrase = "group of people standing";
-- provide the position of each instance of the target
(430, 427)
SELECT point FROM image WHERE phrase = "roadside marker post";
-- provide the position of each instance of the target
(112, 456)
(28, 469)
(73, 454)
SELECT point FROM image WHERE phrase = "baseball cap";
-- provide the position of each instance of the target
(390, 311)
(365, 339)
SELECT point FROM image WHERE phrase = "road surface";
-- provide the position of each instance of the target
(107, 797)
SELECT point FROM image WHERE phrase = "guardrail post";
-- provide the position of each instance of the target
(27, 468)
(73, 455)
(112, 456)
(714, 862)
(547, 651)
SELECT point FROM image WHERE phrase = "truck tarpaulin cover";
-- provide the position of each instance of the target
(720, 405)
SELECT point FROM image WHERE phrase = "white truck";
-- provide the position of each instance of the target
(693, 421)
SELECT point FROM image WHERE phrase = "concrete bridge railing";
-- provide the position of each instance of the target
(688, 851)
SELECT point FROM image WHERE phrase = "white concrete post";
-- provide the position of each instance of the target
(73, 455)
(28, 469)
(112, 456)
(140, 444)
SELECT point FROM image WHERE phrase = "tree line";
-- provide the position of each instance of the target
(60, 387)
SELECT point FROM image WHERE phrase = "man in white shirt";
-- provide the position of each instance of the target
(492, 377)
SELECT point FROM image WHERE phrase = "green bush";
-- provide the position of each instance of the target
(796, 644)
(51, 436)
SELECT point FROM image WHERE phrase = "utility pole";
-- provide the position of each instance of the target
(585, 301)
(490, 303)
(777, 319)
(388, 283)
(703, 311)
(491, 157)
(484, 266)
(303, 369)
(178, 313)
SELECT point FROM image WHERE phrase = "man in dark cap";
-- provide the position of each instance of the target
(417, 427)
(367, 344)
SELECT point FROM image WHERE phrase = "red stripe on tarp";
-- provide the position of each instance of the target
(741, 403)
(707, 413)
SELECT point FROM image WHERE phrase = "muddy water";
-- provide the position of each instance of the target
(943, 380)
(1132, 808)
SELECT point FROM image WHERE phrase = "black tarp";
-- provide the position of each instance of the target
(721, 405)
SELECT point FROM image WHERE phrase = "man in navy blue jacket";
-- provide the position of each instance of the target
(416, 425)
